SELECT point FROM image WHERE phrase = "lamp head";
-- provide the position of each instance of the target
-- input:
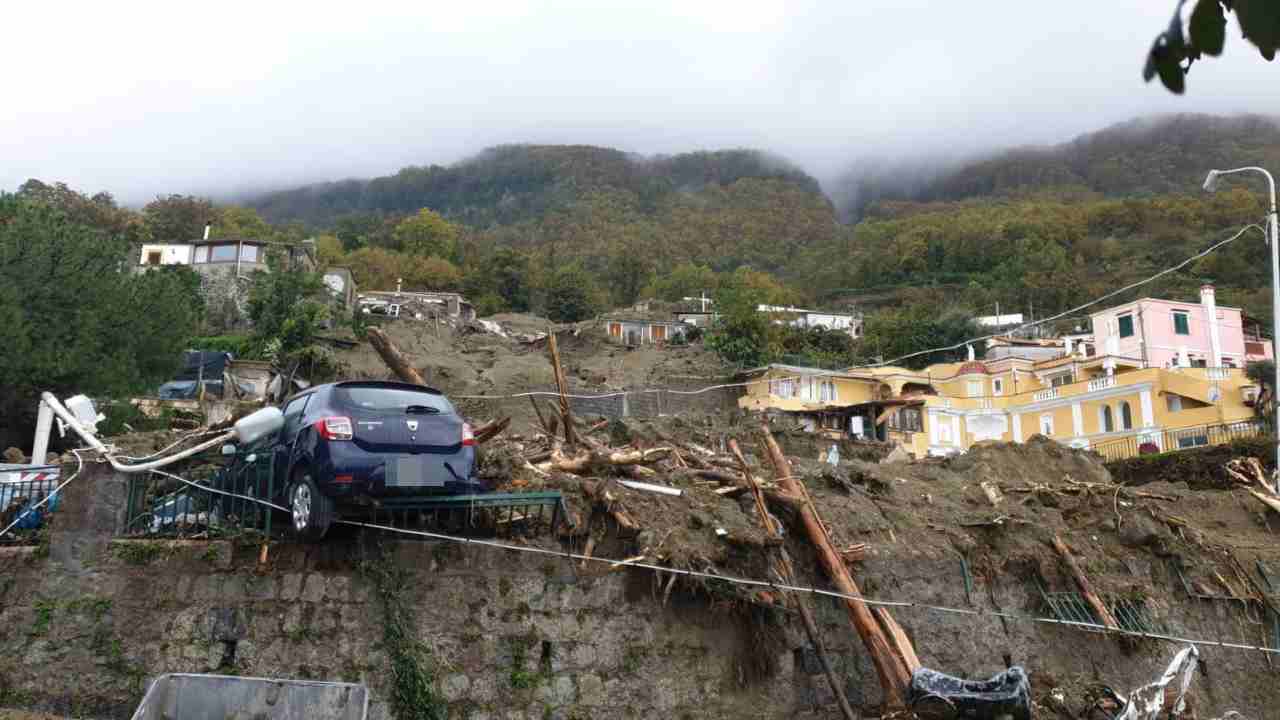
(1211, 181)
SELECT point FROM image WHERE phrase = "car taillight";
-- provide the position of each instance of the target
(334, 428)
(468, 437)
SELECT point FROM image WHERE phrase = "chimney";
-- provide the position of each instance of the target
(1210, 304)
(206, 230)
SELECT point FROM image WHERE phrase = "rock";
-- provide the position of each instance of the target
(14, 455)
(899, 454)
(1139, 531)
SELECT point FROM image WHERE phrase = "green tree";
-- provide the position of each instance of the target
(893, 333)
(236, 222)
(1206, 35)
(571, 295)
(743, 335)
(286, 306)
(70, 320)
(684, 280)
(178, 218)
(427, 233)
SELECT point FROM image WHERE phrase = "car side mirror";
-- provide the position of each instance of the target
(229, 449)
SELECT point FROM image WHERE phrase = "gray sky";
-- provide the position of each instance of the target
(145, 98)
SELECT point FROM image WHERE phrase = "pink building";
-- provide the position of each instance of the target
(1164, 333)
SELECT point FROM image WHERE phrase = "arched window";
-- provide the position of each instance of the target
(1108, 425)
(1126, 415)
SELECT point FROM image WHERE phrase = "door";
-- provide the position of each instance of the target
(282, 446)
(659, 334)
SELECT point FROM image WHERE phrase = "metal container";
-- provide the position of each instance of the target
(183, 696)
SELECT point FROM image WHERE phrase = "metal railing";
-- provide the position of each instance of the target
(18, 500)
(159, 505)
(1159, 441)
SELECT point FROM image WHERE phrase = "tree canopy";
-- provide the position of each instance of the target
(70, 320)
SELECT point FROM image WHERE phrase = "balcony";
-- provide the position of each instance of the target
(1050, 394)
(1102, 383)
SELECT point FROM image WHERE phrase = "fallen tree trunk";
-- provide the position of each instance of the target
(786, 571)
(491, 430)
(1086, 588)
(392, 356)
(891, 667)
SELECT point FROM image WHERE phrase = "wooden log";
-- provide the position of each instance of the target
(599, 492)
(1271, 501)
(541, 420)
(392, 356)
(1086, 588)
(898, 637)
(566, 417)
(785, 570)
(891, 667)
(491, 430)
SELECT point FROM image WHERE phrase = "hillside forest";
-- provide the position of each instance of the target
(571, 231)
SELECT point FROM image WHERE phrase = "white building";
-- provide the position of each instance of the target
(800, 317)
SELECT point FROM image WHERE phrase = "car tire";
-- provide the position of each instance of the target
(310, 510)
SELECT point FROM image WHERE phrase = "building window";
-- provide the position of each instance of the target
(975, 388)
(1199, 362)
(1060, 380)
(1108, 424)
(1126, 326)
(997, 386)
(222, 253)
(249, 253)
(153, 257)
(783, 388)
(1046, 424)
(202, 254)
(1126, 415)
(908, 419)
(1173, 402)
(1181, 326)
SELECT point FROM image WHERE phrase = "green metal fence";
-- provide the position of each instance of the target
(221, 502)
(1131, 614)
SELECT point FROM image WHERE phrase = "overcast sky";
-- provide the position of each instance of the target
(139, 99)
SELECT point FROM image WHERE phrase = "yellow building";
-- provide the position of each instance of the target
(1109, 404)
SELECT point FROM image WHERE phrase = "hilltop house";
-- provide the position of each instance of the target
(638, 328)
(799, 317)
(238, 257)
(1139, 397)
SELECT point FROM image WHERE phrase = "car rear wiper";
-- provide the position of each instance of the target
(421, 410)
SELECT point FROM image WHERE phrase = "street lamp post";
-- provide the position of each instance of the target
(1273, 238)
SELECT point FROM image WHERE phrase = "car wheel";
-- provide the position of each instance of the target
(311, 510)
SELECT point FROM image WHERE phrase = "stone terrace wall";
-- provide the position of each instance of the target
(83, 629)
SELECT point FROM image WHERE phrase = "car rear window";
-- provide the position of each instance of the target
(388, 400)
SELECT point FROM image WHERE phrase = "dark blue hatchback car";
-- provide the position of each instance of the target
(346, 444)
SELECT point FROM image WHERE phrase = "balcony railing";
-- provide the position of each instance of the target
(1050, 394)
(1101, 383)
(1144, 443)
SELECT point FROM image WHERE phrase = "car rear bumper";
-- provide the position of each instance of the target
(350, 475)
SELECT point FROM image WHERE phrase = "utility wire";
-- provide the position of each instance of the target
(733, 580)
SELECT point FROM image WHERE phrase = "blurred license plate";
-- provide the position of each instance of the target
(412, 471)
